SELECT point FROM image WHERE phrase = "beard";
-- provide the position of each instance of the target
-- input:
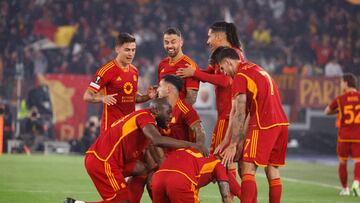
(161, 122)
(172, 53)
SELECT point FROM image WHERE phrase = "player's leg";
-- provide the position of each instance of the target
(158, 187)
(343, 151)
(108, 181)
(355, 153)
(276, 159)
(248, 183)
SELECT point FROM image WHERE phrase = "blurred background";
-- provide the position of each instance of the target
(50, 49)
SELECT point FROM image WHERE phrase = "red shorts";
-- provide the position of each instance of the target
(346, 149)
(219, 133)
(266, 147)
(107, 178)
(173, 187)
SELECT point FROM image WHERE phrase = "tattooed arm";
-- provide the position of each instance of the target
(191, 95)
(224, 191)
(199, 132)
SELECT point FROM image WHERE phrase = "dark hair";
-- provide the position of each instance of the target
(174, 80)
(159, 102)
(173, 31)
(350, 79)
(123, 38)
(214, 54)
(230, 30)
(227, 53)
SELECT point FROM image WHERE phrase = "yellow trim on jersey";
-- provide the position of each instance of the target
(172, 63)
(252, 87)
(349, 140)
(253, 145)
(209, 167)
(190, 61)
(128, 127)
(106, 111)
(176, 171)
(110, 198)
(195, 154)
(105, 68)
(182, 107)
(111, 177)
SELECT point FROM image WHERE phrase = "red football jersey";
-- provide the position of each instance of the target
(112, 79)
(263, 99)
(348, 106)
(124, 141)
(166, 67)
(183, 117)
(195, 167)
(212, 74)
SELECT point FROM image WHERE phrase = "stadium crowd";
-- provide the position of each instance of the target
(313, 37)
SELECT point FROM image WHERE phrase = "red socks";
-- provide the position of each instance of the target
(343, 175)
(248, 188)
(235, 188)
(275, 189)
(357, 171)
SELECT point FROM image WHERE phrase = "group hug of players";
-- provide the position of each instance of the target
(162, 147)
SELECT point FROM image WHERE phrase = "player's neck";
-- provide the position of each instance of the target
(121, 64)
(172, 99)
(177, 57)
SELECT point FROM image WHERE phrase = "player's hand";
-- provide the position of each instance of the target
(228, 155)
(152, 91)
(189, 71)
(202, 149)
(109, 99)
(220, 148)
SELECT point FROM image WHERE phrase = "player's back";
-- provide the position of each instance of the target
(192, 164)
(124, 140)
(349, 114)
(264, 103)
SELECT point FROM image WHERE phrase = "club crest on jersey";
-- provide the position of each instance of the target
(135, 78)
(97, 80)
(128, 88)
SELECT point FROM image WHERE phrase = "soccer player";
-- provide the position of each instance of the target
(115, 83)
(110, 159)
(185, 123)
(348, 108)
(220, 34)
(176, 59)
(254, 93)
(184, 172)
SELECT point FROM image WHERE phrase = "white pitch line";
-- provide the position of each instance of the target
(305, 182)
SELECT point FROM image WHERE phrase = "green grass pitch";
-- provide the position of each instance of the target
(51, 178)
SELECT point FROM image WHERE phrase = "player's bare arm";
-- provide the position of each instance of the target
(228, 131)
(224, 189)
(237, 129)
(151, 94)
(199, 130)
(189, 71)
(328, 111)
(191, 95)
(154, 135)
(92, 97)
